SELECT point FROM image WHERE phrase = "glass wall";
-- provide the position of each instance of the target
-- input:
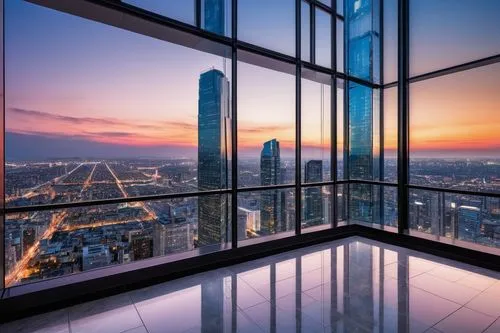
(125, 143)
(447, 33)
(316, 126)
(454, 163)
(455, 131)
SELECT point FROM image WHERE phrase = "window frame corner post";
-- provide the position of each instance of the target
(403, 115)
(234, 125)
(298, 118)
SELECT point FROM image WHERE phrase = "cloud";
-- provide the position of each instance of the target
(266, 129)
(105, 122)
(111, 134)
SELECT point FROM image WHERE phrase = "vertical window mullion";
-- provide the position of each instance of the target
(234, 127)
(403, 105)
(298, 120)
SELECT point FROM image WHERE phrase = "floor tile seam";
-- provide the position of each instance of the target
(493, 316)
(138, 313)
(486, 290)
(259, 293)
(249, 318)
(444, 318)
(130, 329)
(437, 277)
(480, 290)
(253, 305)
(494, 321)
(480, 294)
(446, 299)
(464, 307)
(453, 268)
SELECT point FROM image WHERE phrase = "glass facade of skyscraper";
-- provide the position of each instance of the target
(145, 132)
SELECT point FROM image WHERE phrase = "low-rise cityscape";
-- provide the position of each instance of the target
(50, 243)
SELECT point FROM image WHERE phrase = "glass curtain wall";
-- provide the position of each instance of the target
(231, 122)
(142, 145)
(454, 156)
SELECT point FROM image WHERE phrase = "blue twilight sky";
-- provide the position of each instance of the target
(78, 87)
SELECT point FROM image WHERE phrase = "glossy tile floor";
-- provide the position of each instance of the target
(351, 285)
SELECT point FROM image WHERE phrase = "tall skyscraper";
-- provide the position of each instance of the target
(272, 205)
(313, 210)
(213, 122)
(362, 54)
(469, 222)
(214, 16)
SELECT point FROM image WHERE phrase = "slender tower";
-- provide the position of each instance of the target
(213, 119)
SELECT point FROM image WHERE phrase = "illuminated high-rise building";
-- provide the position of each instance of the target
(469, 222)
(171, 234)
(272, 205)
(141, 245)
(214, 16)
(362, 55)
(213, 124)
(313, 210)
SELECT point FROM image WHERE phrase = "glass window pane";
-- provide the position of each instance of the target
(180, 10)
(469, 218)
(323, 38)
(341, 134)
(270, 24)
(364, 132)
(326, 2)
(316, 124)
(340, 46)
(446, 33)
(340, 7)
(364, 205)
(316, 206)
(363, 44)
(216, 16)
(305, 43)
(342, 203)
(373, 205)
(89, 132)
(266, 121)
(390, 41)
(264, 213)
(455, 130)
(391, 134)
(46, 244)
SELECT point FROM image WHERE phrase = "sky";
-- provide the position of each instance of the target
(80, 88)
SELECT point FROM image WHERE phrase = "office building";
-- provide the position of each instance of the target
(213, 116)
(313, 210)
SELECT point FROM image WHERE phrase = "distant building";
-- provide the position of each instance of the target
(95, 256)
(28, 238)
(250, 218)
(214, 16)
(469, 222)
(213, 124)
(272, 205)
(313, 208)
(171, 237)
(141, 245)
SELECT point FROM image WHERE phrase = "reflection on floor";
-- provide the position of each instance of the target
(351, 285)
